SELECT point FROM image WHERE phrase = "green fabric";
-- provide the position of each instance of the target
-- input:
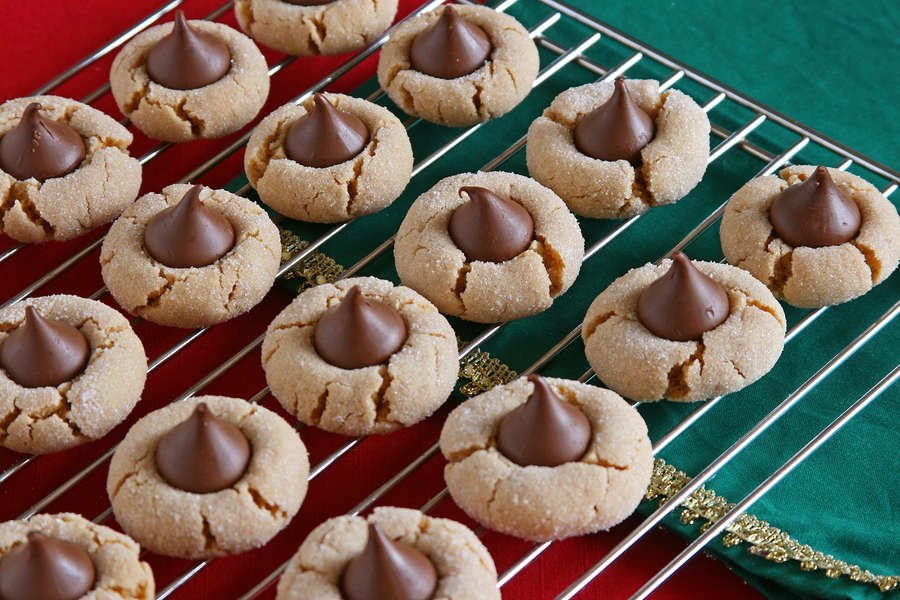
(829, 64)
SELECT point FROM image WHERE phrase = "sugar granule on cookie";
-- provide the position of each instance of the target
(815, 236)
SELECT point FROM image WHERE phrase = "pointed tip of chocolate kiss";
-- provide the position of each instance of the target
(545, 431)
(203, 454)
(325, 135)
(43, 352)
(40, 147)
(189, 234)
(616, 130)
(815, 213)
(490, 228)
(386, 569)
(452, 47)
(359, 332)
(46, 568)
(188, 58)
(683, 303)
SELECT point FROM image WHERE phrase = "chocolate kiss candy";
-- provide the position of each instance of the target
(450, 48)
(202, 454)
(683, 303)
(188, 58)
(189, 234)
(815, 213)
(40, 147)
(359, 332)
(46, 568)
(43, 352)
(617, 129)
(490, 228)
(545, 431)
(388, 570)
(325, 136)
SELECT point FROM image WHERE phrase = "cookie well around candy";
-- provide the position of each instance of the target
(66, 557)
(64, 168)
(360, 356)
(189, 80)
(71, 369)
(489, 247)
(683, 330)
(329, 159)
(231, 473)
(315, 27)
(396, 553)
(615, 149)
(815, 236)
(458, 65)
(545, 459)
(190, 256)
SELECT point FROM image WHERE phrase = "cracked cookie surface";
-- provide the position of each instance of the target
(547, 503)
(415, 381)
(334, 28)
(66, 207)
(811, 277)
(672, 164)
(429, 261)
(244, 516)
(361, 185)
(211, 111)
(195, 296)
(465, 570)
(120, 573)
(490, 91)
(644, 367)
(49, 419)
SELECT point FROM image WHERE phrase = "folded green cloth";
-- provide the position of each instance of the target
(830, 64)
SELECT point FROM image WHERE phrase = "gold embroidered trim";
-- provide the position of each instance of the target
(766, 541)
(315, 269)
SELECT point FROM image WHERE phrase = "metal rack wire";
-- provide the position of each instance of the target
(565, 56)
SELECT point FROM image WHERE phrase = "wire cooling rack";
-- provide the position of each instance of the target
(760, 133)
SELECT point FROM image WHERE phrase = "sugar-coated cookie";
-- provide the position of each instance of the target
(436, 554)
(226, 504)
(833, 270)
(209, 81)
(425, 81)
(96, 381)
(64, 169)
(64, 554)
(650, 170)
(392, 365)
(315, 28)
(496, 284)
(553, 487)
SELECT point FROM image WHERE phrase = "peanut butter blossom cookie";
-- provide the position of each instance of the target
(64, 169)
(329, 159)
(189, 80)
(67, 557)
(616, 149)
(545, 459)
(683, 330)
(394, 553)
(489, 247)
(71, 369)
(191, 256)
(815, 236)
(458, 65)
(230, 473)
(360, 356)
(315, 27)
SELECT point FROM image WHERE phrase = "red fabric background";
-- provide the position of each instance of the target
(36, 49)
